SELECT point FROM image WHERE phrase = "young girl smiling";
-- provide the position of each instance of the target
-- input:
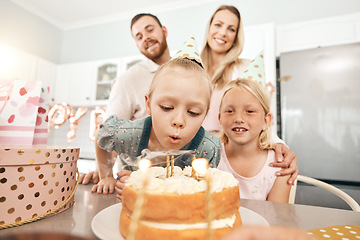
(247, 147)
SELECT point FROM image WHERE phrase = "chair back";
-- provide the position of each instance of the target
(328, 187)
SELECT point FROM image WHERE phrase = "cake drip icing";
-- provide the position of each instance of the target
(181, 182)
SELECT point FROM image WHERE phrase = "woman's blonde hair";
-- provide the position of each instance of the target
(183, 64)
(260, 92)
(223, 73)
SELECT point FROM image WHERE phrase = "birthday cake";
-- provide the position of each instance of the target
(175, 207)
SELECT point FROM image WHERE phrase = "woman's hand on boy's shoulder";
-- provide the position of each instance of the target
(120, 184)
(287, 160)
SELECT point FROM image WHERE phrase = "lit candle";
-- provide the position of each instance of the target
(192, 168)
(167, 165)
(201, 166)
(172, 165)
(144, 165)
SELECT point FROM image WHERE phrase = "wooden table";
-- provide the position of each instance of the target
(77, 219)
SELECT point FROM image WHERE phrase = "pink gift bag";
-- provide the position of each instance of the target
(23, 112)
(42, 123)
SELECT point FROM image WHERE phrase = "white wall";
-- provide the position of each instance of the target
(114, 39)
(27, 32)
(30, 33)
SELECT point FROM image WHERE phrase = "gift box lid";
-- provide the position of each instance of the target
(16, 155)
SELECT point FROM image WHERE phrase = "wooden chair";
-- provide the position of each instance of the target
(328, 187)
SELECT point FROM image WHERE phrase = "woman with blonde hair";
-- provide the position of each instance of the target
(220, 55)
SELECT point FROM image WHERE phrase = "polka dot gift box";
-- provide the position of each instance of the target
(35, 182)
(341, 232)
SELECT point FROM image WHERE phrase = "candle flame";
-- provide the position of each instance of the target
(144, 164)
(200, 165)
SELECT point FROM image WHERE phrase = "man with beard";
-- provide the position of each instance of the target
(127, 97)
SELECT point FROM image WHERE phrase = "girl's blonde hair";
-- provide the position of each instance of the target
(183, 64)
(231, 58)
(260, 92)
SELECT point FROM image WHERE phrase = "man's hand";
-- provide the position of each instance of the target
(287, 160)
(92, 177)
(120, 184)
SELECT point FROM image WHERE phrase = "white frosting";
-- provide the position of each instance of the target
(181, 182)
(221, 223)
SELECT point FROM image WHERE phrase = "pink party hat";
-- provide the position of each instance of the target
(255, 70)
(189, 51)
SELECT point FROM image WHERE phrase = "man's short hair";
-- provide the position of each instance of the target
(140, 15)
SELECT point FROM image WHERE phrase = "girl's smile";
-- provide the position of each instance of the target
(239, 130)
(242, 116)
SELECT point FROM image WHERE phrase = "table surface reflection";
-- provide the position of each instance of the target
(77, 219)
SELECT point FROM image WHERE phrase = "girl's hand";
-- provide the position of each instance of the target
(287, 160)
(120, 184)
(92, 177)
(105, 186)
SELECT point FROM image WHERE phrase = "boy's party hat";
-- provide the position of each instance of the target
(255, 71)
(189, 51)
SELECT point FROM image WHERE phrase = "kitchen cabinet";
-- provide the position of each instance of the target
(259, 38)
(130, 61)
(318, 33)
(74, 83)
(86, 83)
(46, 73)
(106, 72)
(63, 73)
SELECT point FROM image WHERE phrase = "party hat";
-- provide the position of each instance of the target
(255, 71)
(189, 51)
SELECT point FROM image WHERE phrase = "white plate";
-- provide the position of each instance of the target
(105, 224)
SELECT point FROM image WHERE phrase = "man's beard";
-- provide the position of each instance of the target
(156, 55)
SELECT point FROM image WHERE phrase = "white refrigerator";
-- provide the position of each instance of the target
(320, 110)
